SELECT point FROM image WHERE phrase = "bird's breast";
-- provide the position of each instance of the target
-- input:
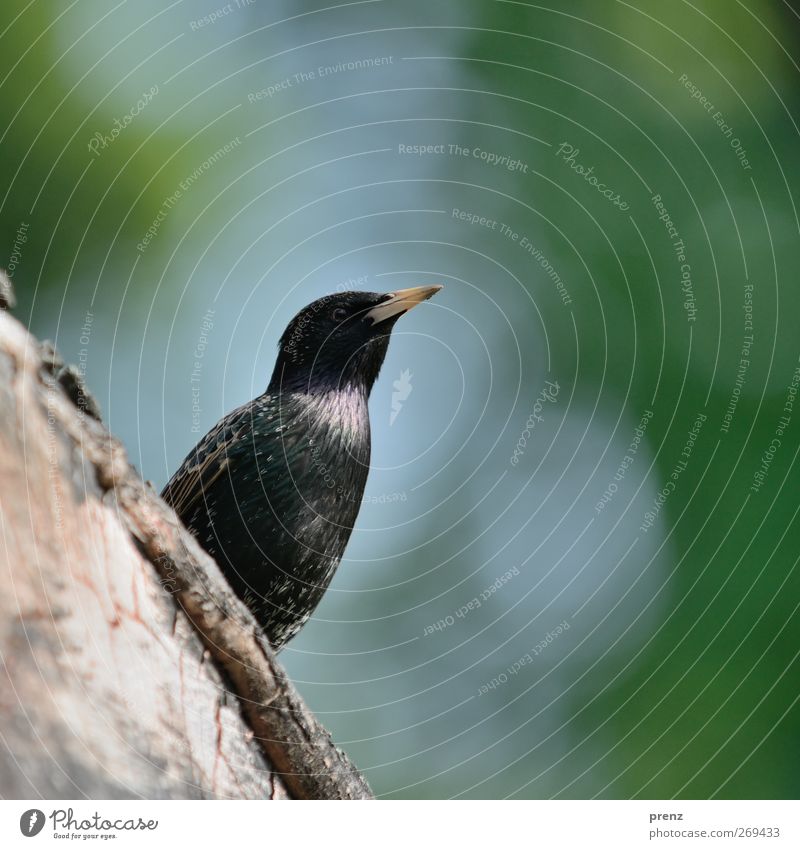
(330, 459)
(339, 417)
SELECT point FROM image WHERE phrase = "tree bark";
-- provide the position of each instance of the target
(127, 666)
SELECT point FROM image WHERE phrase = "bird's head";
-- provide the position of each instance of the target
(341, 339)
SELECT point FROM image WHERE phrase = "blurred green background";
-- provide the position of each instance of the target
(542, 598)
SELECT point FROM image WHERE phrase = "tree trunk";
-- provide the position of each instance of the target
(127, 666)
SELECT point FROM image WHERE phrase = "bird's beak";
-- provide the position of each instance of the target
(401, 301)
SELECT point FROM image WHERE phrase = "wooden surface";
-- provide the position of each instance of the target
(127, 667)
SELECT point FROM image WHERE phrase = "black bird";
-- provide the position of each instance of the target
(273, 490)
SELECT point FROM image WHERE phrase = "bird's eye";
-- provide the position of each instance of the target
(339, 314)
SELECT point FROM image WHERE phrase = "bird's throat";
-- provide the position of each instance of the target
(338, 418)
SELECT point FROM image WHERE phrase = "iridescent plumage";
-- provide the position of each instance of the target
(273, 490)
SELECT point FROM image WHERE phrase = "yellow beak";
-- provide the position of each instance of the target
(401, 301)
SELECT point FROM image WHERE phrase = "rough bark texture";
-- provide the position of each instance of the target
(127, 666)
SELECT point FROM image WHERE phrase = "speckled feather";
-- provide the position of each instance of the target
(273, 490)
(261, 495)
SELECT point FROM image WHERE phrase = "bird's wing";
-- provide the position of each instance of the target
(206, 461)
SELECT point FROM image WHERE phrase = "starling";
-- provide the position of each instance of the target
(273, 490)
